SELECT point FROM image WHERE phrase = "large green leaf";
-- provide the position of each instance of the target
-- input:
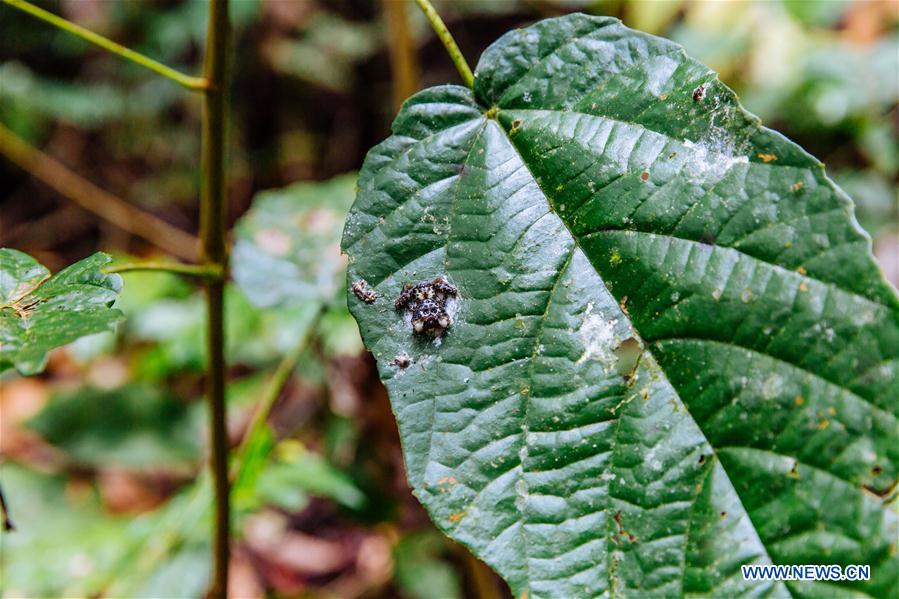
(39, 312)
(673, 352)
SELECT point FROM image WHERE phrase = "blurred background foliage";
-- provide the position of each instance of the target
(102, 455)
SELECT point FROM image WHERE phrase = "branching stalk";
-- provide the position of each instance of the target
(202, 271)
(191, 83)
(448, 42)
(93, 199)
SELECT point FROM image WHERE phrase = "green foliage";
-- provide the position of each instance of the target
(420, 573)
(39, 312)
(286, 247)
(325, 55)
(85, 105)
(135, 426)
(175, 327)
(62, 539)
(600, 195)
(287, 260)
(295, 473)
(816, 12)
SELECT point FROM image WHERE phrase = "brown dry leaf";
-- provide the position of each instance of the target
(20, 399)
(266, 534)
(243, 582)
(865, 21)
(374, 560)
(124, 491)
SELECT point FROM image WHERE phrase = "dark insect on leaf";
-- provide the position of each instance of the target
(402, 360)
(364, 292)
(699, 93)
(428, 304)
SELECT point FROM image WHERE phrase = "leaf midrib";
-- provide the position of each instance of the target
(577, 247)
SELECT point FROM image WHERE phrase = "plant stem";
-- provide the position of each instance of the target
(403, 60)
(152, 547)
(203, 271)
(93, 199)
(191, 83)
(448, 42)
(214, 252)
(272, 392)
(8, 526)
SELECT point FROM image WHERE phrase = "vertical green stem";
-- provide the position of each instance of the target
(449, 43)
(214, 253)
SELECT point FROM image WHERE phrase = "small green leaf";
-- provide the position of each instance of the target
(287, 246)
(671, 350)
(53, 528)
(135, 426)
(422, 570)
(296, 472)
(39, 312)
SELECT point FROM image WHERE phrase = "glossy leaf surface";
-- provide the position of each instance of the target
(672, 352)
(39, 312)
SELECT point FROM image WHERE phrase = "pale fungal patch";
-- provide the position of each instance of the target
(711, 158)
(521, 493)
(598, 337)
(716, 152)
(658, 74)
(772, 386)
(861, 318)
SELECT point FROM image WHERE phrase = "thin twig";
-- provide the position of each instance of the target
(93, 199)
(203, 271)
(148, 546)
(272, 393)
(191, 83)
(403, 59)
(214, 251)
(448, 42)
(8, 526)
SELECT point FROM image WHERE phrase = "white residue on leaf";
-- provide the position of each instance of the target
(598, 337)
(710, 159)
(521, 485)
(521, 493)
(772, 386)
(716, 151)
(659, 72)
